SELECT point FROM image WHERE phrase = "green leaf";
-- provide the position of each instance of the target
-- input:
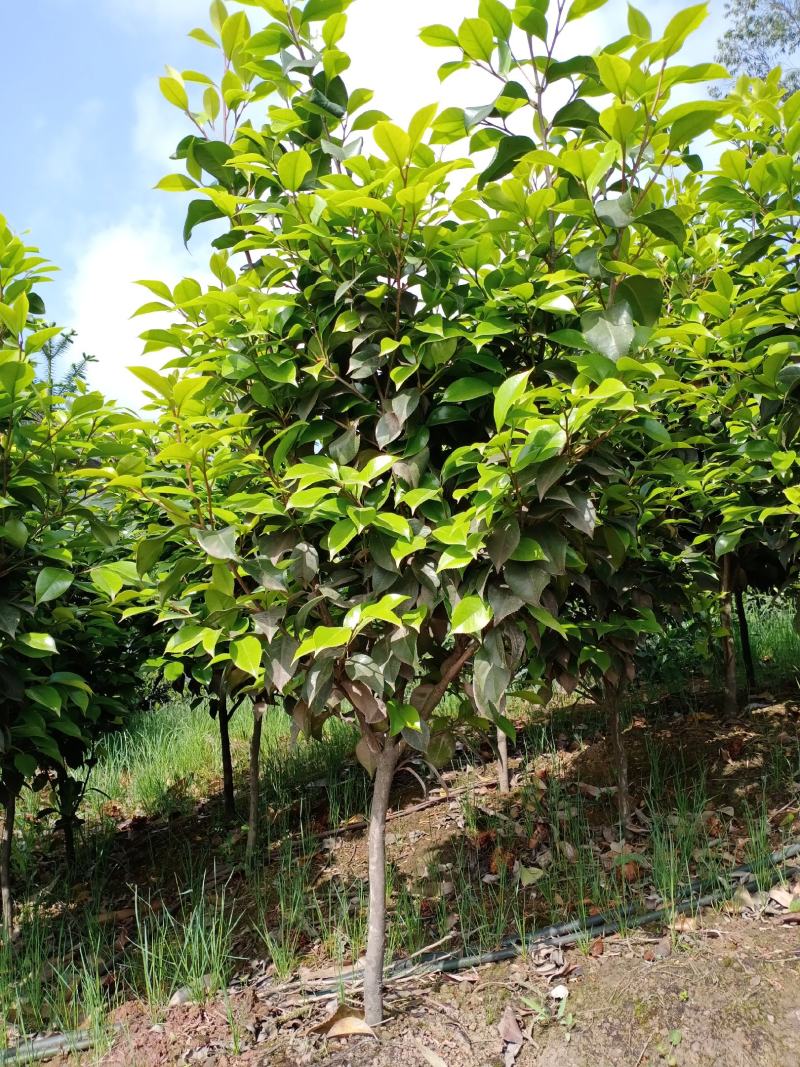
(727, 542)
(157, 382)
(438, 36)
(470, 616)
(9, 618)
(617, 212)
(580, 8)
(403, 717)
(176, 183)
(293, 168)
(611, 332)
(148, 553)
(510, 151)
(615, 73)
(107, 580)
(246, 654)
(476, 38)
(638, 24)
(15, 532)
(685, 128)
(175, 91)
(666, 224)
(51, 583)
(498, 16)
(393, 142)
(37, 642)
(507, 396)
(467, 389)
(46, 695)
(680, 26)
(644, 297)
(219, 544)
(197, 212)
(324, 637)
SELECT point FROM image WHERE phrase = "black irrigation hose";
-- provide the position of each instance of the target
(597, 925)
(42, 1048)
(567, 933)
(445, 962)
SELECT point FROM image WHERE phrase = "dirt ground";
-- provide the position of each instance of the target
(724, 993)
(722, 989)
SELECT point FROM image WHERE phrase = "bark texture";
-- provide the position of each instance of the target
(254, 780)
(730, 704)
(376, 934)
(6, 838)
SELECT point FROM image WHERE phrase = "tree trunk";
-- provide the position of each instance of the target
(6, 838)
(376, 936)
(255, 780)
(229, 800)
(620, 756)
(729, 700)
(503, 781)
(744, 634)
(66, 816)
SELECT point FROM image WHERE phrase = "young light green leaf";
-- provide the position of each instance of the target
(393, 142)
(246, 654)
(470, 616)
(476, 38)
(507, 396)
(293, 168)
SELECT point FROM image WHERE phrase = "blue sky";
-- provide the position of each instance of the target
(87, 136)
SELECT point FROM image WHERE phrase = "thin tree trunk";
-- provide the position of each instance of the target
(729, 701)
(503, 781)
(6, 838)
(67, 817)
(744, 634)
(376, 936)
(229, 800)
(255, 779)
(620, 756)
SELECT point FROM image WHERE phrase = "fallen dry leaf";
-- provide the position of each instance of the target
(510, 1054)
(781, 896)
(588, 790)
(433, 1058)
(509, 1029)
(684, 924)
(344, 1023)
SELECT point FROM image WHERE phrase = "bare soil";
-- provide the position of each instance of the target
(724, 994)
(723, 989)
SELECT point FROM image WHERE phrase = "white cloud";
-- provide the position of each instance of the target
(103, 296)
(157, 128)
(388, 56)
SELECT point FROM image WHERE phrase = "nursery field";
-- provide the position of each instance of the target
(161, 944)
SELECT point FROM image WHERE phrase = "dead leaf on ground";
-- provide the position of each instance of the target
(684, 924)
(781, 896)
(345, 1022)
(509, 1028)
(510, 1054)
(433, 1058)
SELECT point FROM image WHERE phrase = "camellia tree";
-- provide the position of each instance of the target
(62, 658)
(732, 337)
(400, 435)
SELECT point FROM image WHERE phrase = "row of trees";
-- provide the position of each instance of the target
(471, 405)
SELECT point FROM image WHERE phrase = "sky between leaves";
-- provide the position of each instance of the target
(87, 135)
